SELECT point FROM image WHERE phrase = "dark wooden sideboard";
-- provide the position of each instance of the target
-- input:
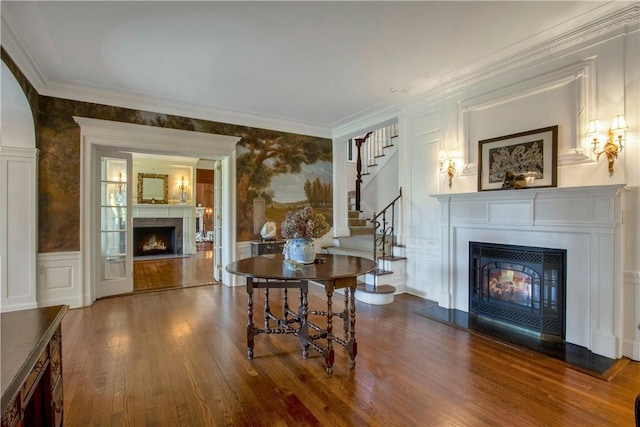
(32, 367)
(267, 247)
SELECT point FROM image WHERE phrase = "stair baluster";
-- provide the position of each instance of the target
(383, 232)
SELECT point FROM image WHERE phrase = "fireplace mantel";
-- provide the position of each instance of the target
(186, 212)
(585, 221)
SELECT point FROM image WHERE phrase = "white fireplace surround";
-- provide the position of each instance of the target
(586, 221)
(186, 212)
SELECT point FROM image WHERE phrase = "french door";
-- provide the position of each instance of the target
(217, 221)
(114, 254)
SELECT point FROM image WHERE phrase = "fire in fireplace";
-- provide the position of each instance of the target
(157, 236)
(154, 241)
(519, 285)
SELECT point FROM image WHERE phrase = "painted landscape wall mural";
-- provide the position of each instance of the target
(280, 157)
(278, 172)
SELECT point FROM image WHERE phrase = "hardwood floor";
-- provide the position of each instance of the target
(165, 273)
(178, 358)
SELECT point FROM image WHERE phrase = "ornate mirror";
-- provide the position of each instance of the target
(153, 188)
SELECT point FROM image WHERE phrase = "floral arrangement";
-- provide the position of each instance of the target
(304, 223)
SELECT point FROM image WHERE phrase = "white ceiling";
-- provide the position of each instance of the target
(311, 66)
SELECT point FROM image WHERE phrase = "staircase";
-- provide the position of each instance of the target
(379, 286)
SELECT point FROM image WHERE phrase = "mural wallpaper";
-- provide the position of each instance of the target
(269, 159)
(276, 173)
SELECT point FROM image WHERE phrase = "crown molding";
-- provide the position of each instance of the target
(15, 46)
(20, 54)
(617, 20)
(374, 119)
(154, 104)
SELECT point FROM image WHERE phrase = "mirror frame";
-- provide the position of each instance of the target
(142, 198)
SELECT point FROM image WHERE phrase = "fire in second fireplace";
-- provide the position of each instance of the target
(519, 285)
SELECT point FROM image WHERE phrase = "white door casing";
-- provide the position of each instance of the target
(119, 136)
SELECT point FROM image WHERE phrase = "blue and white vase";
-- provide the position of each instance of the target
(301, 250)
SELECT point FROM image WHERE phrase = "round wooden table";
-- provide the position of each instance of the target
(331, 271)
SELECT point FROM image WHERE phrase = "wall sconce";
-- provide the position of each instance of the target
(182, 187)
(615, 139)
(120, 184)
(447, 163)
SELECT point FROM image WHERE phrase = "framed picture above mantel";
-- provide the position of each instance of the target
(518, 161)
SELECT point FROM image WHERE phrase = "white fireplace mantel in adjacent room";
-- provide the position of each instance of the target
(585, 221)
(186, 212)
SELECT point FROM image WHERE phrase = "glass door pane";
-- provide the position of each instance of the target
(115, 253)
(217, 221)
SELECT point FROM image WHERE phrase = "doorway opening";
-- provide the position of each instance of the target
(167, 265)
(134, 138)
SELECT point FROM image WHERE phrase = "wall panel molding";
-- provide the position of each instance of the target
(59, 279)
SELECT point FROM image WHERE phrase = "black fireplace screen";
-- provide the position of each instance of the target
(520, 285)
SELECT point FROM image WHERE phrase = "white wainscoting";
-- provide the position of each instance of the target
(631, 298)
(585, 221)
(18, 232)
(243, 250)
(59, 279)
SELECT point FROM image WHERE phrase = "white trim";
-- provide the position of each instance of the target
(18, 227)
(23, 58)
(59, 279)
(155, 140)
(583, 71)
(614, 20)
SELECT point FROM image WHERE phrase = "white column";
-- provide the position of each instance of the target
(18, 198)
(18, 214)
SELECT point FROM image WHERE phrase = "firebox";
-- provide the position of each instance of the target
(157, 236)
(154, 241)
(519, 285)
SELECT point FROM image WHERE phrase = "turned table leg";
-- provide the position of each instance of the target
(352, 345)
(329, 356)
(250, 328)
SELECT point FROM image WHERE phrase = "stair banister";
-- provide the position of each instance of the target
(381, 230)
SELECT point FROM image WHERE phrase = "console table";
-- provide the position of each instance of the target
(336, 272)
(267, 247)
(32, 367)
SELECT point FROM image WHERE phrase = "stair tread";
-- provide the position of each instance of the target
(392, 258)
(350, 251)
(381, 272)
(379, 289)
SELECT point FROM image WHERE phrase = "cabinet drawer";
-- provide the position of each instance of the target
(34, 376)
(11, 416)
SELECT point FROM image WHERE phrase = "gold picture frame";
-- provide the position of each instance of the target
(153, 188)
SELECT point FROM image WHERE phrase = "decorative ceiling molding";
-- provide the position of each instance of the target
(599, 27)
(155, 104)
(15, 47)
(17, 50)
(616, 21)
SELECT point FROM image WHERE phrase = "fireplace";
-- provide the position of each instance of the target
(157, 236)
(519, 286)
(600, 297)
